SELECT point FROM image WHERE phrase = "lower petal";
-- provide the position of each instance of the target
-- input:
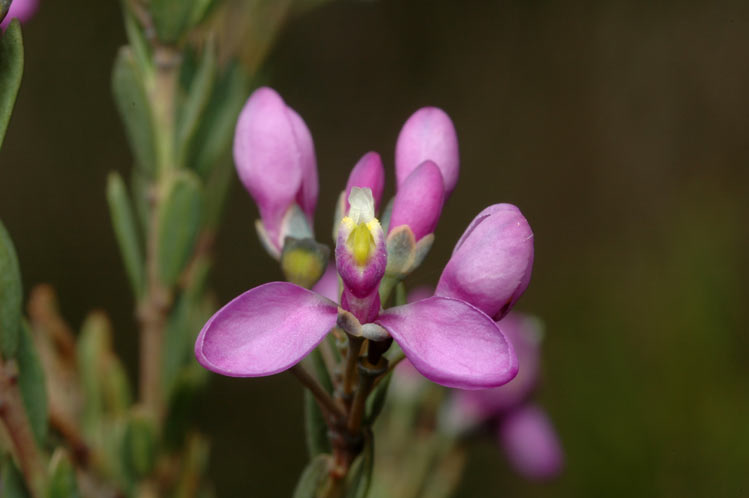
(452, 343)
(264, 331)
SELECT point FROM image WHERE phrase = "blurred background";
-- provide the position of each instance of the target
(621, 129)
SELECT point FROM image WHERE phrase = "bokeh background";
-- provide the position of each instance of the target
(621, 129)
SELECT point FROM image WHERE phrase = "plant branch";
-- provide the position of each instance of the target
(326, 401)
(14, 417)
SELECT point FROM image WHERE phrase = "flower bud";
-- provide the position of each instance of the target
(428, 134)
(491, 264)
(275, 159)
(23, 10)
(531, 443)
(418, 203)
(361, 255)
(368, 173)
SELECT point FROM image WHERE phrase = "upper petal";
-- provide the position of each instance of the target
(264, 331)
(452, 343)
(368, 173)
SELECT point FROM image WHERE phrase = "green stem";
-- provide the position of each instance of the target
(326, 402)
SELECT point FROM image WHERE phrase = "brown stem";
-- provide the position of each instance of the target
(326, 402)
(13, 415)
(350, 373)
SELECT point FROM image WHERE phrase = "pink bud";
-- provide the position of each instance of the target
(418, 203)
(531, 443)
(275, 159)
(428, 134)
(368, 173)
(23, 10)
(491, 265)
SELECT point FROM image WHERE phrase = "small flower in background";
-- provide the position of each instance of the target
(23, 10)
(524, 431)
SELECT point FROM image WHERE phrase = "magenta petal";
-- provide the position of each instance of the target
(452, 343)
(368, 173)
(531, 443)
(418, 203)
(428, 134)
(264, 331)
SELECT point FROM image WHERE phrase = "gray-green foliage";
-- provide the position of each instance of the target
(11, 70)
(10, 296)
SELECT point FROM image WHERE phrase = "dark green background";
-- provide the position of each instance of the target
(621, 129)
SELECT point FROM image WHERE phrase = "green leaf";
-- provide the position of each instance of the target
(62, 481)
(93, 342)
(179, 223)
(192, 109)
(174, 18)
(139, 445)
(132, 102)
(126, 231)
(11, 70)
(11, 480)
(10, 296)
(312, 478)
(376, 399)
(32, 384)
(216, 127)
(315, 428)
(184, 395)
(138, 43)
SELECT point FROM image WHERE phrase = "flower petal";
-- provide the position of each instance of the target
(264, 331)
(370, 173)
(418, 203)
(452, 343)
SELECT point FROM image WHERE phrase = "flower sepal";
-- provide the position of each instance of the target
(294, 224)
(303, 261)
(404, 253)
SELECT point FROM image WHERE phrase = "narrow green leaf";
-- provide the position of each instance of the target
(139, 445)
(32, 384)
(312, 478)
(126, 231)
(179, 219)
(138, 43)
(174, 18)
(62, 481)
(199, 92)
(93, 342)
(11, 480)
(183, 398)
(133, 104)
(11, 70)
(376, 399)
(10, 295)
(321, 369)
(315, 428)
(216, 127)
(217, 186)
